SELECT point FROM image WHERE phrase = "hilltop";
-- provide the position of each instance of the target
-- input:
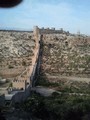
(65, 62)
(64, 71)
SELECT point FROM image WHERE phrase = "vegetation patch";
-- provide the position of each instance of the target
(43, 81)
(57, 107)
(62, 85)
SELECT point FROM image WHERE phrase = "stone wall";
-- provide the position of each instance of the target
(23, 95)
(52, 31)
(63, 54)
(28, 76)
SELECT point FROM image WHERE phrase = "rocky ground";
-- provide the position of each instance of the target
(16, 50)
(65, 63)
(66, 55)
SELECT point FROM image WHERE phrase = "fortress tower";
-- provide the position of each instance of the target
(36, 33)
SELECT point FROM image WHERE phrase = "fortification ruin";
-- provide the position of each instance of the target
(64, 53)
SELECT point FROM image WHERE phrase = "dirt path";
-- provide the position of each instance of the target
(48, 92)
(78, 79)
(43, 91)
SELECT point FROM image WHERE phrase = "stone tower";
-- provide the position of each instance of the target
(36, 33)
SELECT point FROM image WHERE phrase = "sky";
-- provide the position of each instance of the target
(71, 15)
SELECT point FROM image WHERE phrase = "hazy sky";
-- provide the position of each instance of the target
(72, 15)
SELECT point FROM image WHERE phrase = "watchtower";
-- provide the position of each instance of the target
(36, 33)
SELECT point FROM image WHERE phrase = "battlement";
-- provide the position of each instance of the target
(49, 30)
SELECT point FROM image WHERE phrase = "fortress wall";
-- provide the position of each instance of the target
(35, 71)
(52, 36)
(36, 56)
(52, 31)
(46, 31)
(32, 73)
(19, 83)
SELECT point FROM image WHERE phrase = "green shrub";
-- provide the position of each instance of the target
(58, 107)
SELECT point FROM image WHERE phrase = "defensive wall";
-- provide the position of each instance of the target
(23, 83)
(52, 31)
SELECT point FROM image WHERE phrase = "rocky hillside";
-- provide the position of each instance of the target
(16, 50)
(67, 55)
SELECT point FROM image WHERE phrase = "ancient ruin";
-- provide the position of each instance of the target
(63, 54)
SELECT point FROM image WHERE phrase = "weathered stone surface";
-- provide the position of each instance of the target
(16, 51)
(66, 54)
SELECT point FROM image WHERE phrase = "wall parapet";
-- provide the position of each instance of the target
(52, 31)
